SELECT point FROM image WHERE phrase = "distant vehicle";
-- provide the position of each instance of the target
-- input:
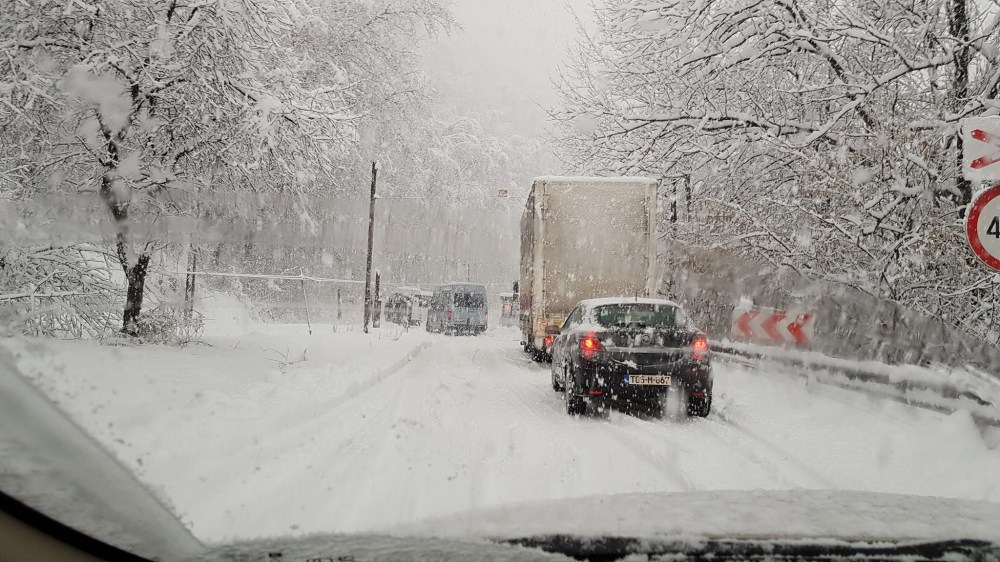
(582, 238)
(419, 297)
(633, 351)
(458, 308)
(403, 309)
(508, 309)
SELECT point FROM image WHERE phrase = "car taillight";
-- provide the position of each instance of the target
(699, 347)
(589, 345)
(449, 315)
(548, 341)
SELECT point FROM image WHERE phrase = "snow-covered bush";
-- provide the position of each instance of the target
(65, 291)
(170, 324)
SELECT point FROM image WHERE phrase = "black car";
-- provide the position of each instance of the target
(633, 352)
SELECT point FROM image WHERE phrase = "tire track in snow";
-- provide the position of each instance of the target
(660, 447)
(778, 469)
(465, 423)
(290, 421)
(352, 391)
(656, 450)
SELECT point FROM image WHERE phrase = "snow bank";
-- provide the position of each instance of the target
(226, 314)
(937, 386)
(171, 415)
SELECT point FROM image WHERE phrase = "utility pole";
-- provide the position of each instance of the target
(377, 312)
(371, 235)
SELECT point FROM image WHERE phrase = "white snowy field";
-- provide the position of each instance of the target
(275, 432)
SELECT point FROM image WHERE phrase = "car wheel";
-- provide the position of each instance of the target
(575, 406)
(700, 406)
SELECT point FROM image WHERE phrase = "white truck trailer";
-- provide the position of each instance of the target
(581, 238)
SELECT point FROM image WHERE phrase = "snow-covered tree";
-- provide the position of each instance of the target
(815, 135)
(65, 290)
(154, 105)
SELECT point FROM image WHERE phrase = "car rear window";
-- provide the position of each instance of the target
(637, 314)
(470, 300)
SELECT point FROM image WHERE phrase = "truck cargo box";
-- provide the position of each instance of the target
(581, 238)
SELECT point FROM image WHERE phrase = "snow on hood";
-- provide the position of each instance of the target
(774, 515)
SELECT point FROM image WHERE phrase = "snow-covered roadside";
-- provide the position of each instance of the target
(938, 386)
(275, 432)
(169, 413)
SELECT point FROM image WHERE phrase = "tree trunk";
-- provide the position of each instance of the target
(136, 277)
(189, 282)
(959, 28)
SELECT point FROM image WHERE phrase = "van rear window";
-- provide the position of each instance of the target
(470, 300)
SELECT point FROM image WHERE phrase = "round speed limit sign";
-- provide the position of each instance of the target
(982, 225)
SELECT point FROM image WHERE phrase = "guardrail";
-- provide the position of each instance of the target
(938, 388)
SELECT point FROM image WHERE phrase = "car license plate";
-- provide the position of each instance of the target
(656, 380)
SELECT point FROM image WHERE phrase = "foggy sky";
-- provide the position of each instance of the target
(504, 57)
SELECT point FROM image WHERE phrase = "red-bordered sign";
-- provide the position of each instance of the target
(768, 325)
(982, 226)
(981, 148)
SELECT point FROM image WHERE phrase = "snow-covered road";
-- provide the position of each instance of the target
(279, 432)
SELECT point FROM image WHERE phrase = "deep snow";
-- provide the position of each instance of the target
(274, 432)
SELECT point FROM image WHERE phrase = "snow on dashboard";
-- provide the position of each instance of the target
(791, 514)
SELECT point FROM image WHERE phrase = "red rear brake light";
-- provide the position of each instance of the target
(700, 346)
(548, 341)
(449, 315)
(589, 344)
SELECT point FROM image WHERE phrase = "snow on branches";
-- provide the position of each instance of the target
(150, 104)
(64, 291)
(815, 135)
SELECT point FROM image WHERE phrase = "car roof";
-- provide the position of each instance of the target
(590, 303)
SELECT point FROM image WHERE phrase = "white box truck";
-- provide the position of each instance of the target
(582, 238)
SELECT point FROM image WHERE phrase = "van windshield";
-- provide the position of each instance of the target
(470, 300)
